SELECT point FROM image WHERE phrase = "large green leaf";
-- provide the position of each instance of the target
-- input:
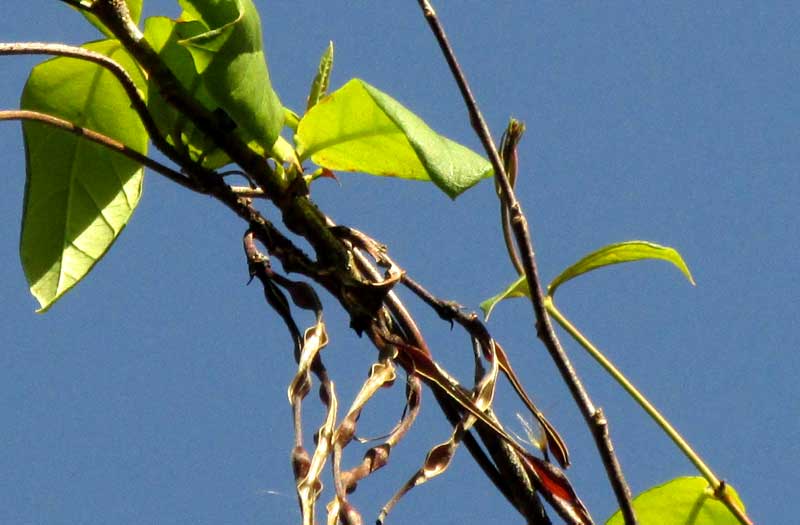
(359, 128)
(612, 254)
(224, 39)
(78, 195)
(620, 253)
(682, 501)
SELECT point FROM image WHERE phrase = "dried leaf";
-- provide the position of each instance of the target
(554, 442)
(314, 340)
(551, 482)
(548, 479)
(440, 456)
(309, 488)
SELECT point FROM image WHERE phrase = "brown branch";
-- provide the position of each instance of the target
(411, 332)
(451, 312)
(378, 456)
(104, 141)
(138, 104)
(515, 487)
(544, 327)
(79, 53)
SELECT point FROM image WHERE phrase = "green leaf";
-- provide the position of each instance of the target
(224, 39)
(682, 501)
(134, 6)
(319, 87)
(518, 288)
(620, 253)
(78, 195)
(608, 255)
(359, 128)
(162, 35)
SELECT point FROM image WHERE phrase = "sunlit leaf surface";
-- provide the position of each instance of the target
(622, 252)
(359, 128)
(78, 195)
(225, 41)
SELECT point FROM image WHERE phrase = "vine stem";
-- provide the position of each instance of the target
(525, 501)
(103, 140)
(719, 487)
(593, 417)
(126, 82)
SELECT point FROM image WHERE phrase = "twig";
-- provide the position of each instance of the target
(451, 312)
(137, 102)
(515, 484)
(544, 327)
(412, 333)
(79, 53)
(103, 140)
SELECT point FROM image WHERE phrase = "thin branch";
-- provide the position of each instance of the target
(79, 53)
(544, 327)
(128, 85)
(104, 141)
(412, 333)
(292, 258)
(516, 486)
(452, 312)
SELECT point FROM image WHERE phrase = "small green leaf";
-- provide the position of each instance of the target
(359, 128)
(620, 253)
(319, 87)
(134, 6)
(682, 501)
(78, 195)
(162, 35)
(224, 39)
(518, 288)
(611, 254)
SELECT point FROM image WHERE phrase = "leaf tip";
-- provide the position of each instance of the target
(688, 275)
(45, 304)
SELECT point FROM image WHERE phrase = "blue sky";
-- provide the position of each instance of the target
(155, 392)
